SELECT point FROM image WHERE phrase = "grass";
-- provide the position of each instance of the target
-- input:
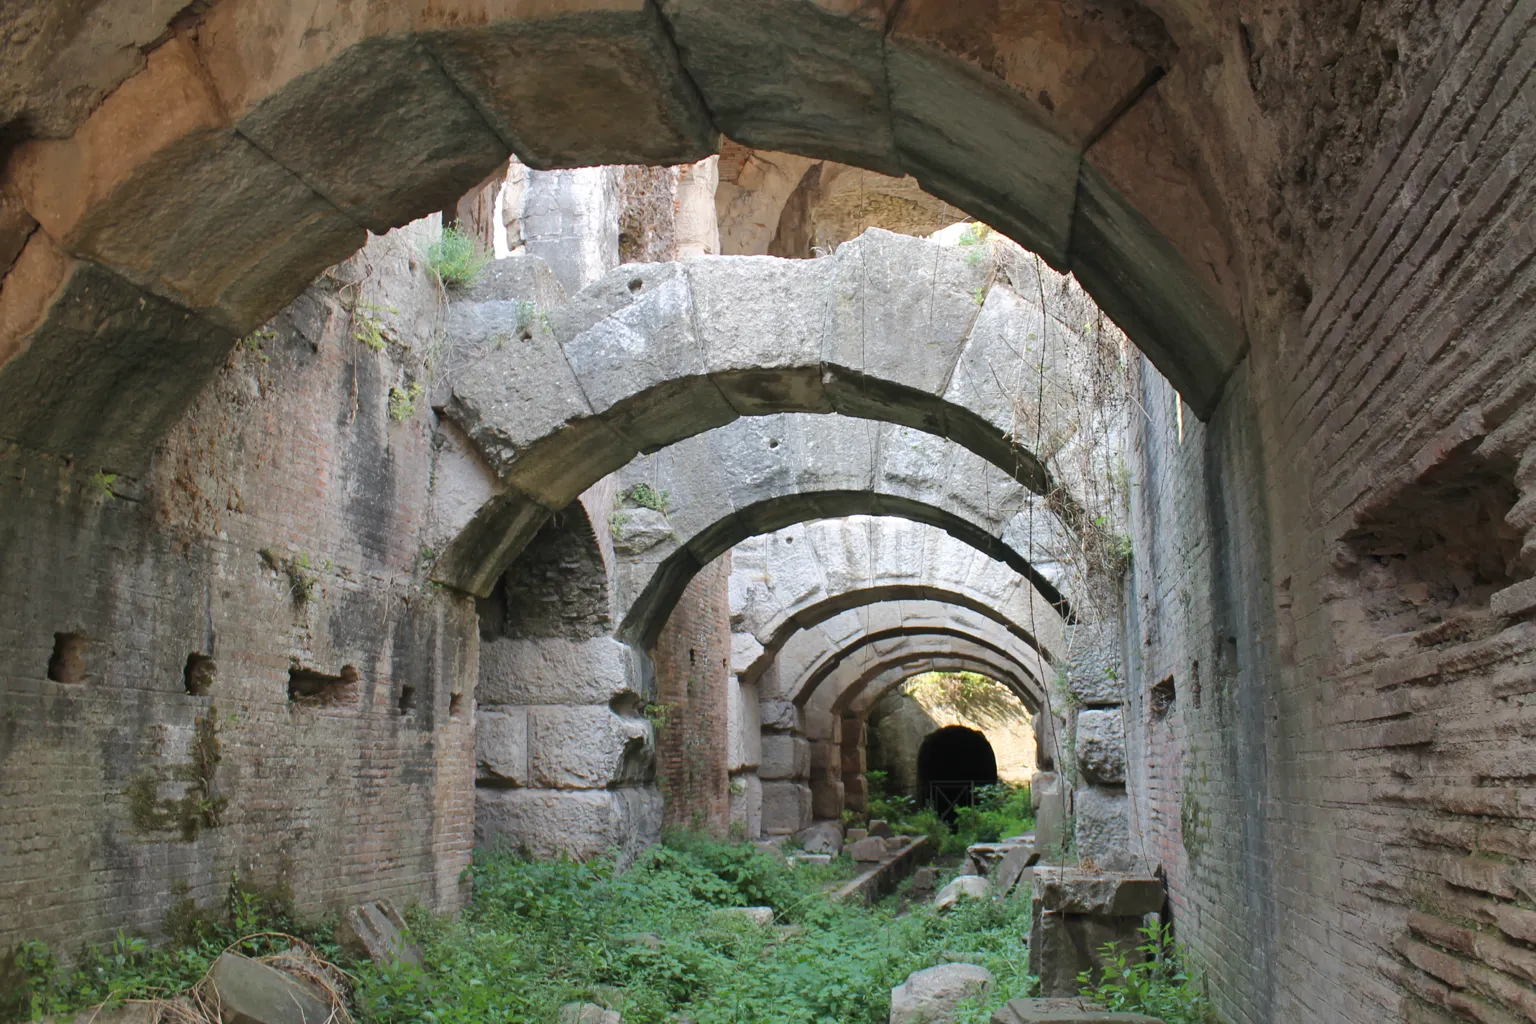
(456, 257)
(650, 942)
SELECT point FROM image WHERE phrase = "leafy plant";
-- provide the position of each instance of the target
(402, 401)
(643, 495)
(456, 257)
(367, 327)
(1155, 978)
(102, 482)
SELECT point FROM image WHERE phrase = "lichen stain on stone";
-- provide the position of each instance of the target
(200, 806)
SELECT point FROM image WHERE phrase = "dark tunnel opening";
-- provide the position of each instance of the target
(952, 764)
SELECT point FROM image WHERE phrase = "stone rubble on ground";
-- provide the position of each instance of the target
(868, 850)
(880, 828)
(924, 879)
(757, 915)
(963, 887)
(249, 992)
(823, 837)
(588, 1013)
(934, 995)
(1064, 1011)
(376, 930)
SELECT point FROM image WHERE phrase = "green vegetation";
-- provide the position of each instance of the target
(650, 942)
(645, 496)
(1156, 980)
(367, 327)
(402, 402)
(1000, 811)
(102, 482)
(251, 922)
(966, 694)
(456, 257)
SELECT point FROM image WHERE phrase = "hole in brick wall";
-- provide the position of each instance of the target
(455, 704)
(67, 663)
(197, 677)
(1427, 558)
(407, 699)
(1162, 699)
(316, 689)
(1194, 682)
(692, 655)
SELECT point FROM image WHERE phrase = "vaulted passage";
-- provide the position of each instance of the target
(952, 764)
(571, 467)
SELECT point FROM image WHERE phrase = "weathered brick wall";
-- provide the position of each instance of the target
(1351, 836)
(693, 664)
(280, 527)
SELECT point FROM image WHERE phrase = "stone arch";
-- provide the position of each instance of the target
(760, 475)
(891, 329)
(799, 578)
(233, 195)
(810, 754)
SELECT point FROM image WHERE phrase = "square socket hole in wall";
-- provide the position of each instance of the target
(407, 702)
(455, 704)
(67, 663)
(198, 676)
(318, 690)
(1162, 698)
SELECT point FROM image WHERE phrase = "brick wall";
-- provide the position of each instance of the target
(1351, 836)
(693, 664)
(279, 528)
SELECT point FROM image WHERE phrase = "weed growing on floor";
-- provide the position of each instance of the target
(998, 812)
(1157, 980)
(651, 943)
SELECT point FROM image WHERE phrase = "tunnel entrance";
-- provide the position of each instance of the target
(951, 764)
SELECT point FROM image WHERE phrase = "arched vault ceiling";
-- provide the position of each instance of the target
(194, 181)
(891, 329)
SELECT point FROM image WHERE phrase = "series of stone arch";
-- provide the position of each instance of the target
(730, 398)
(204, 190)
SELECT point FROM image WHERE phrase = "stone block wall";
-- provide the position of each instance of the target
(234, 662)
(693, 666)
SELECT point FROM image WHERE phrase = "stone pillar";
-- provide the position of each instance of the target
(785, 764)
(855, 786)
(825, 771)
(570, 219)
(1048, 794)
(1101, 808)
(697, 226)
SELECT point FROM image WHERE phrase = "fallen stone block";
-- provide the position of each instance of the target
(1064, 1011)
(133, 1012)
(1012, 869)
(823, 837)
(249, 992)
(376, 930)
(868, 849)
(757, 915)
(880, 827)
(1079, 892)
(932, 996)
(983, 858)
(924, 880)
(855, 834)
(588, 1013)
(810, 858)
(964, 887)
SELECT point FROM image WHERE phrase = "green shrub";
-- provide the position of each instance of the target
(456, 258)
(1162, 984)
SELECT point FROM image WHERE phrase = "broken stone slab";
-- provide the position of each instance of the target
(588, 1013)
(1011, 870)
(1064, 1011)
(880, 828)
(868, 849)
(129, 1012)
(933, 996)
(964, 887)
(855, 834)
(1070, 891)
(924, 880)
(376, 930)
(810, 858)
(249, 992)
(982, 858)
(823, 837)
